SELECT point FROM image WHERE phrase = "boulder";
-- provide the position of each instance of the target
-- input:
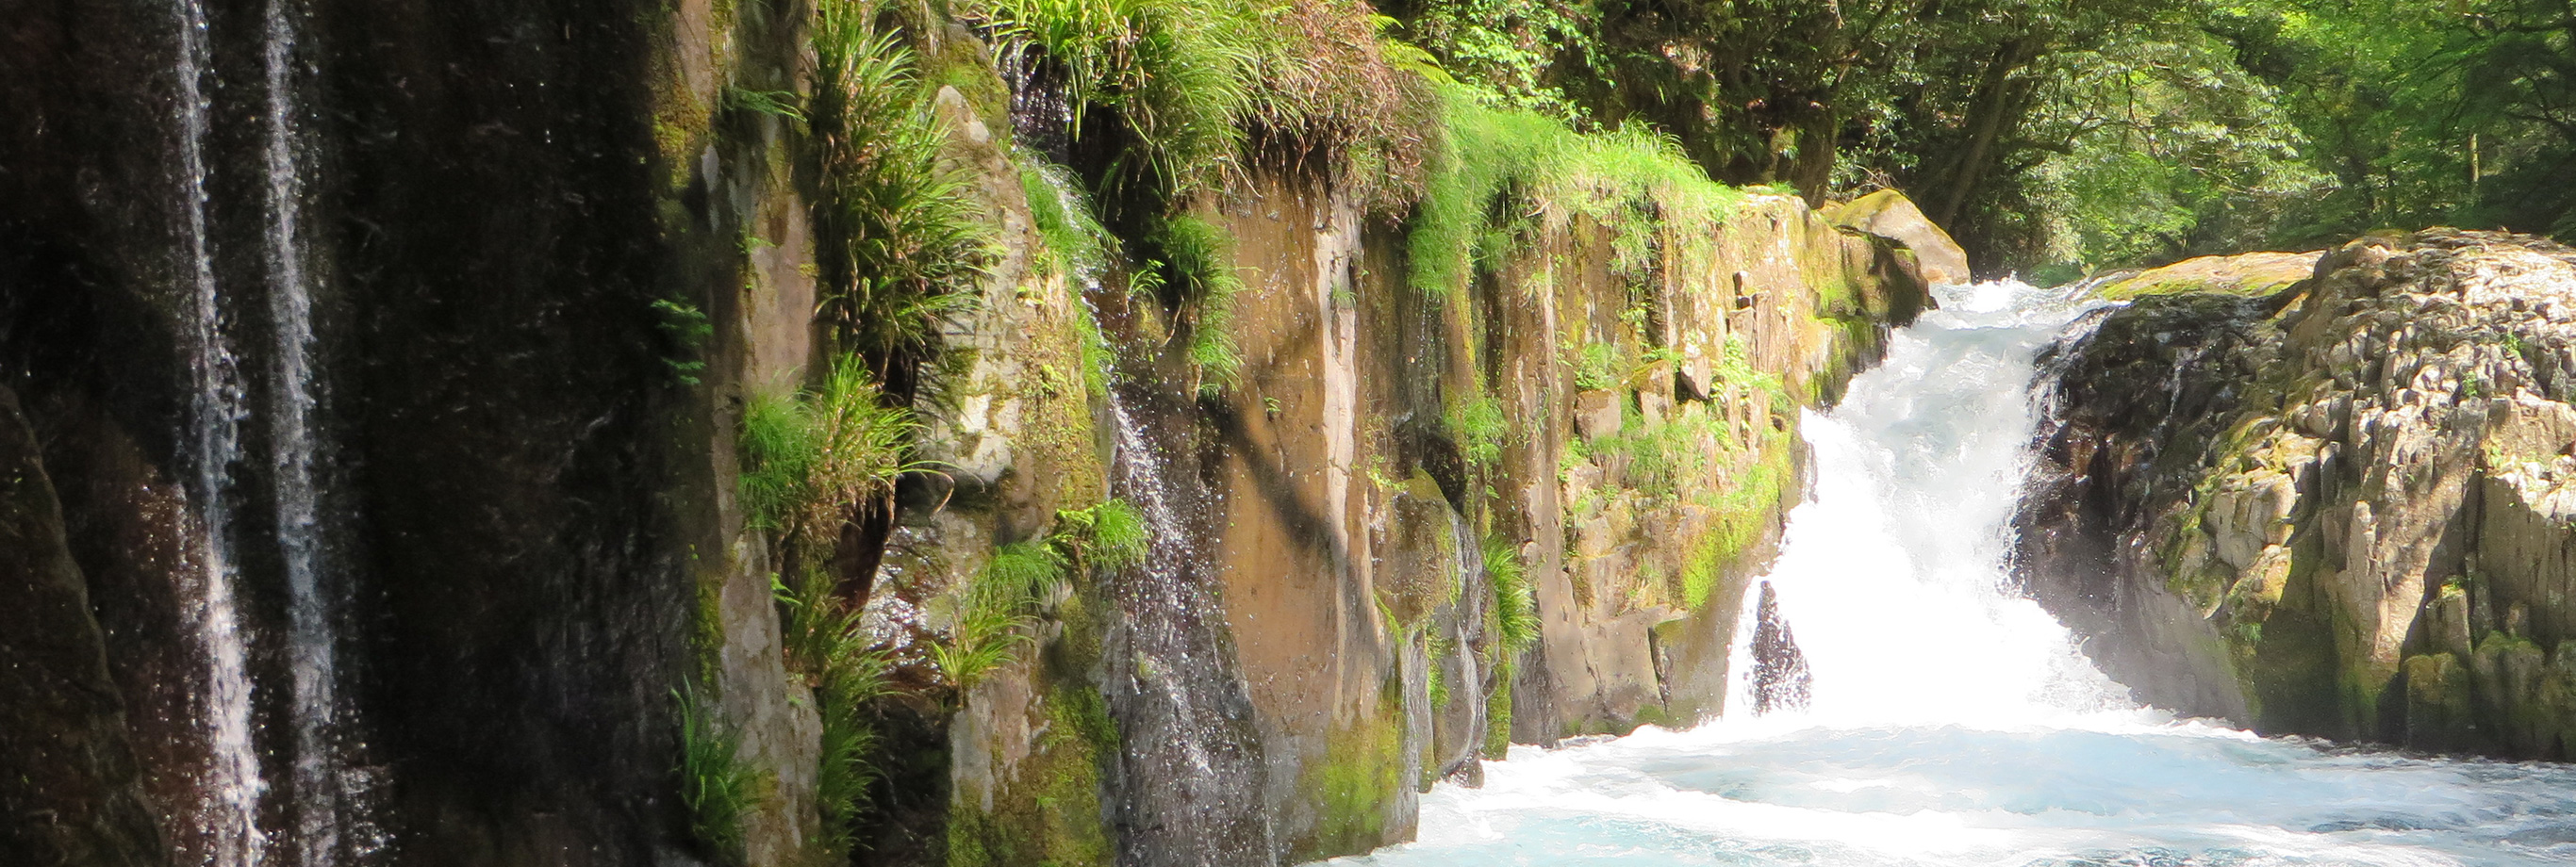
(2247, 274)
(1889, 214)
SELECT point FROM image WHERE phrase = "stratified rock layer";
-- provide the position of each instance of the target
(2342, 510)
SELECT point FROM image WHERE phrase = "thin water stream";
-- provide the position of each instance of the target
(228, 822)
(1952, 721)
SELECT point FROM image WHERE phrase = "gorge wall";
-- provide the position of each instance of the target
(2335, 509)
(377, 385)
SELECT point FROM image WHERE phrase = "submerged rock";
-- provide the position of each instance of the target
(1780, 677)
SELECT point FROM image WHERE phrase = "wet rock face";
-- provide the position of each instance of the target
(2339, 511)
(72, 792)
(1780, 677)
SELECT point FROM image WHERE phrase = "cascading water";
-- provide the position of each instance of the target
(1191, 768)
(322, 783)
(1951, 721)
(232, 783)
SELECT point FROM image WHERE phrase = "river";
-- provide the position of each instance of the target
(1951, 720)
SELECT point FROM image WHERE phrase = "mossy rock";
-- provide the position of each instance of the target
(2250, 275)
(1361, 773)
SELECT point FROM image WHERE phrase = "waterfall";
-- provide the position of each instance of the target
(311, 612)
(1953, 723)
(1903, 548)
(229, 818)
(1192, 770)
(1193, 766)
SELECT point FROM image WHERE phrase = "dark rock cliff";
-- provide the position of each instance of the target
(2334, 511)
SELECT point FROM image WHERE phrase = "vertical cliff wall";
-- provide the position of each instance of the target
(380, 431)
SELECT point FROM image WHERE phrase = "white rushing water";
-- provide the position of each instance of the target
(321, 777)
(228, 820)
(1954, 722)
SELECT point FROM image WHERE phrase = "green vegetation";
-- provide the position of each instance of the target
(1076, 244)
(997, 610)
(2073, 134)
(900, 246)
(1201, 256)
(841, 662)
(716, 784)
(809, 459)
(1110, 535)
(1482, 431)
(1496, 165)
(1515, 604)
(1363, 762)
(687, 329)
(1189, 83)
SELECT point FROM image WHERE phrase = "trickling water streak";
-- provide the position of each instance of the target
(234, 786)
(310, 634)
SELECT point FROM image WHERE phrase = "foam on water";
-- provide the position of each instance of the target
(1953, 721)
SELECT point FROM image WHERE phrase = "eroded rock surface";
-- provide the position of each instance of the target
(2341, 510)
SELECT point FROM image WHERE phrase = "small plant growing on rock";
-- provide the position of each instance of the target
(715, 784)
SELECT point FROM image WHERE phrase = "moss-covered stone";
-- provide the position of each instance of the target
(1356, 786)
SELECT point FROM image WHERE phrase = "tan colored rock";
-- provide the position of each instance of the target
(1596, 413)
(2250, 274)
(1889, 214)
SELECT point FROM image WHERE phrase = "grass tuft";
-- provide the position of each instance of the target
(826, 645)
(1201, 256)
(716, 785)
(900, 246)
(1502, 173)
(1192, 82)
(810, 459)
(1515, 605)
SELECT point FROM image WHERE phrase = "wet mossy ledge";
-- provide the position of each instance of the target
(992, 432)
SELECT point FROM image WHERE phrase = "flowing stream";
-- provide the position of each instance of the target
(1953, 722)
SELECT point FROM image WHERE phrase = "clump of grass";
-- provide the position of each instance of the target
(826, 645)
(1077, 246)
(1515, 605)
(1600, 365)
(1497, 165)
(686, 327)
(1190, 81)
(809, 459)
(1482, 430)
(1201, 256)
(717, 786)
(998, 610)
(1109, 535)
(900, 246)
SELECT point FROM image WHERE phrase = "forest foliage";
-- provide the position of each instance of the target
(2072, 134)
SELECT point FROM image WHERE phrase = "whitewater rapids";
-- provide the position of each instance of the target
(1953, 721)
